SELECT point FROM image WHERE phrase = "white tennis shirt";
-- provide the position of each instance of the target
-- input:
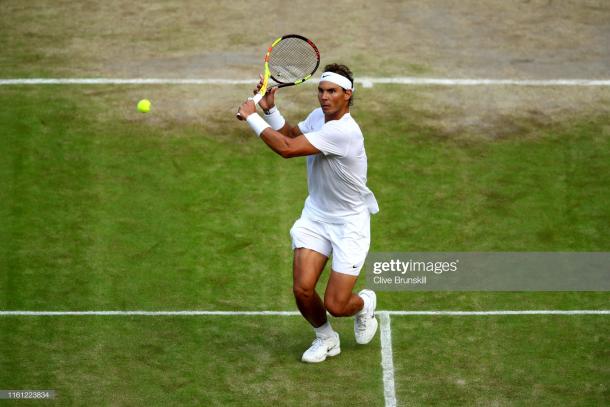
(336, 177)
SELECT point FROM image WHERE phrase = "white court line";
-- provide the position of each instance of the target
(120, 81)
(387, 362)
(295, 313)
(364, 81)
(484, 82)
(146, 313)
(503, 312)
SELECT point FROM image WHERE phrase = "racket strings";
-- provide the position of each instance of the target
(292, 59)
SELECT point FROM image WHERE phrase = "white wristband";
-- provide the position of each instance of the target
(275, 118)
(257, 124)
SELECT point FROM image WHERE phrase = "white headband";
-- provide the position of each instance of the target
(337, 79)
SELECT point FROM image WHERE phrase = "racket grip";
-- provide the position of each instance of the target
(257, 98)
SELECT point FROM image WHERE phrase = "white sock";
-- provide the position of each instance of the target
(324, 331)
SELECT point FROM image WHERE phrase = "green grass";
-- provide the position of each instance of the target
(544, 191)
(502, 361)
(121, 209)
(211, 361)
(115, 204)
(105, 208)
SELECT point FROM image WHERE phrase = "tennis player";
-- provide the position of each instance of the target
(336, 216)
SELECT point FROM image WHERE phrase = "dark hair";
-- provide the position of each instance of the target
(343, 71)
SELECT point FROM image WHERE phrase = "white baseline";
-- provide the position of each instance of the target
(364, 81)
(296, 313)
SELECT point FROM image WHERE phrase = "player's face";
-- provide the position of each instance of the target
(332, 97)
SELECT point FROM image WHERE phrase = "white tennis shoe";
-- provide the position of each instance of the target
(322, 348)
(365, 323)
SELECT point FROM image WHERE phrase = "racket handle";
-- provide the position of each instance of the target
(256, 98)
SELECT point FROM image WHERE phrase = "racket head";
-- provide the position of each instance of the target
(292, 59)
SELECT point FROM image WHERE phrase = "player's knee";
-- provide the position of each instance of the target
(335, 308)
(302, 293)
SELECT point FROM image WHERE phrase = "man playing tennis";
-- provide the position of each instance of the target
(336, 216)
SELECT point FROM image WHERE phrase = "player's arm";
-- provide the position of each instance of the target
(282, 144)
(290, 131)
(287, 147)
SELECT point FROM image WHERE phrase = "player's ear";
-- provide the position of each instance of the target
(347, 94)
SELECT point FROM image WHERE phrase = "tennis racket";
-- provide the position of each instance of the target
(290, 60)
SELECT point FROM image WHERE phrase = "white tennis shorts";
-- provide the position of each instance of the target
(348, 242)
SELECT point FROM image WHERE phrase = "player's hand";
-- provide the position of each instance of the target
(268, 101)
(246, 109)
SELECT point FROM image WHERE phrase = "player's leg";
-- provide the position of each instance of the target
(307, 268)
(339, 299)
(350, 244)
(311, 250)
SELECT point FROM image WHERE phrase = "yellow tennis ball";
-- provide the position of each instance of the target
(144, 105)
